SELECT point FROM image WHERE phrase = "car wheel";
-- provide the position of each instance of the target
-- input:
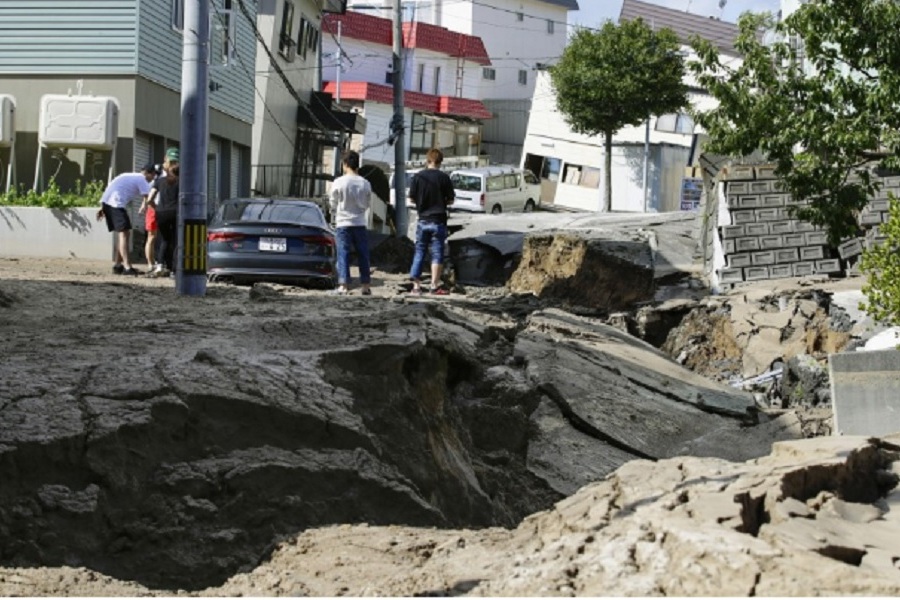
(529, 206)
(496, 210)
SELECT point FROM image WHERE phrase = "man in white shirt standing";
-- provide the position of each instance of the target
(350, 198)
(122, 190)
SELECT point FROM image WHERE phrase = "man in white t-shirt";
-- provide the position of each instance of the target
(122, 190)
(350, 197)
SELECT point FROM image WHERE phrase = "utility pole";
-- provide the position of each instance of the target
(190, 259)
(340, 65)
(397, 128)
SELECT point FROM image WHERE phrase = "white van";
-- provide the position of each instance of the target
(495, 189)
(409, 176)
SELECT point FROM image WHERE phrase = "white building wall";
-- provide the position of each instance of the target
(275, 117)
(365, 61)
(378, 119)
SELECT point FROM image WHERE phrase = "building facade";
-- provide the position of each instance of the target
(441, 71)
(649, 161)
(130, 52)
(520, 36)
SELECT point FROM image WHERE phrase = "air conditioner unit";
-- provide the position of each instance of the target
(7, 120)
(79, 121)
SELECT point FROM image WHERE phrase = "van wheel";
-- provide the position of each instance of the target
(496, 210)
(529, 206)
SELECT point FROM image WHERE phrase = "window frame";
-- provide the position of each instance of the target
(177, 16)
(523, 77)
(489, 73)
(551, 26)
(286, 33)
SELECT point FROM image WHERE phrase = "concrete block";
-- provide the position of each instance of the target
(55, 233)
(779, 227)
(760, 187)
(739, 217)
(812, 253)
(768, 214)
(780, 271)
(728, 246)
(765, 171)
(885, 216)
(828, 265)
(879, 205)
(774, 200)
(733, 202)
(746, 244)
(737, 187)
(883, 194)
(732, 231)
(892, 182)
(877, 240)
(815, 238)
(865, 392)
(802, 269)
(852, 247)
(756, 229)
(756, 273)
(870, 217)
(852, 269)
(766, 257)
(801, 226)
(739, 260)
(731, 275)
(749, 202)
(799, 201)
(769, 242)
(740, 172)
(787, 255)
(793, 240)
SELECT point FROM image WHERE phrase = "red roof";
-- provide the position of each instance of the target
(360, 26)
(444, 105)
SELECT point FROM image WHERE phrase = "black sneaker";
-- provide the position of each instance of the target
(118, 269)
(131, 271)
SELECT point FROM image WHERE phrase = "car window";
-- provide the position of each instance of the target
(511, 181)
(495, 184)
(276, 212)
(466, 183)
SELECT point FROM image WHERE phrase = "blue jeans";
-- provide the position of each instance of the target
(357, 239)
(428, 236)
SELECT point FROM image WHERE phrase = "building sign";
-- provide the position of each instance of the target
(691, 190)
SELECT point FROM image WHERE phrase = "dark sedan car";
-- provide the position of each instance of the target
(271, 239)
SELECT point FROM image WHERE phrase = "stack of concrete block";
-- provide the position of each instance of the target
(764, 241)
(870, 220)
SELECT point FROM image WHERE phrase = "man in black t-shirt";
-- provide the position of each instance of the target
(431, 192)
(167, 217)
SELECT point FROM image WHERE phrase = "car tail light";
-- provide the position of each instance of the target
(321, 240)
(224, 236)
(482, 199)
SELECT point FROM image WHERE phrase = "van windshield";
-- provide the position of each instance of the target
(466, 183)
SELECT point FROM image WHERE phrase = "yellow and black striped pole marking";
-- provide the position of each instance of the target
(194, 247)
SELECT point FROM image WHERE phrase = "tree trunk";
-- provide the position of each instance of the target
(607, 193)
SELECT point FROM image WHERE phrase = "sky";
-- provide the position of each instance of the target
(594, 12)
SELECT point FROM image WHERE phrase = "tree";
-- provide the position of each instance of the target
(618, 76)
(881, 264)
(818, 94)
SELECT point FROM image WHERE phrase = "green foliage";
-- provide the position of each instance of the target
(86, 196)
(882, 266)
(618, 76)
(822, 110)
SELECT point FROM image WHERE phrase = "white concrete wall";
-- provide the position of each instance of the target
(53, 233)
(378, 119)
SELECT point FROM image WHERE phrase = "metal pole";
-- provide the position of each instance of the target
(397, 127)
(646, 165)
(340, 64)
(190, 260)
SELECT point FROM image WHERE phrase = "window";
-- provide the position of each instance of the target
(420, 78)
(437, 81)
(590, 177)
(389, 77)
(550, 26)
(510, 181)
(523, 77)
(312, 38)
(301, 37)
(286, 45)
(178, 15)
(222, 34)
(495, 184)
(520, 16)
(488, 73)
